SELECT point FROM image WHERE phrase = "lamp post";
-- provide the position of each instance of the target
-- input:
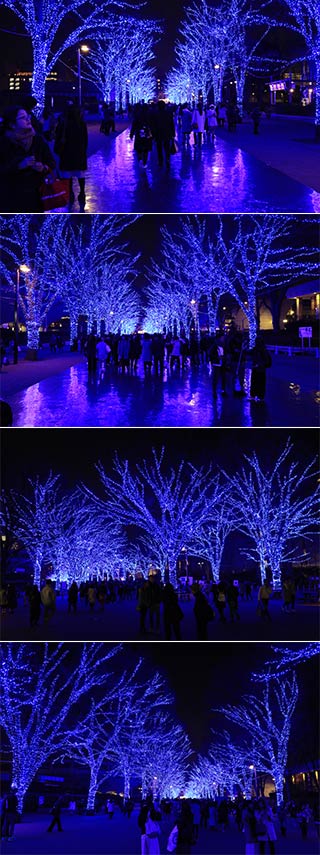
(83, 49)
(23, 269)
(254, 775)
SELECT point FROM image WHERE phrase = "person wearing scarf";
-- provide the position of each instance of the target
(25, 158)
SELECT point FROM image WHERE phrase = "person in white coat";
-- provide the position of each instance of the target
(198, 123)
(211, 121)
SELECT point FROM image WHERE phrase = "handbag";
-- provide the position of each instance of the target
(54, 193)
(172, 839)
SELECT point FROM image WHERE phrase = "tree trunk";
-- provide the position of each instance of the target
(39, 74)
(93, 786)
(37, 572)
(32, 335)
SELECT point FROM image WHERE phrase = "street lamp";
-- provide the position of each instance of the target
(81, 49)
(23, 269)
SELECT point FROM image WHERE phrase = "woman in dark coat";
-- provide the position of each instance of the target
(71, 146)
(25, 158)
(141, 131)
(261, 360)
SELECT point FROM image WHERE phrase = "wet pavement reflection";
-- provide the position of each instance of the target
(74, 398)
(214, 178)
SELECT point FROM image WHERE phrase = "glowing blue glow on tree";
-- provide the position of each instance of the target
(55, 26)
(266, 721)
(119, 62)
(38, 692)
(305, 20)
(32, 242)
(166, 504)
(274, 510)
(210, 539)
(264, 253)
(216, 41)
(136, 708)
(84, 255)
(286, 659)
(187, 274)
(35, 517)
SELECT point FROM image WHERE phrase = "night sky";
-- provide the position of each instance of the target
(74, 453)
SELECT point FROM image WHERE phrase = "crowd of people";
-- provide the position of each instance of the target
(34, 151)
(177, 825)
(159, 604)
(226, 355)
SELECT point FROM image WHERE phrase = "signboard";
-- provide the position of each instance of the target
(305, 332)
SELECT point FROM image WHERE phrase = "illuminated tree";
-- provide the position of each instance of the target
(166, 504)
(274, 510)
(136, 709)
(189, 272)
(266, 721)
(286, 659)
(81, 547)
(55, 26)
(264, 253)
(112, 299)
(209, 541)
(86, 251)
(32, 242)
(226, 770)
(163, 754)
(305, 20)
(119, 63)
(34, 518)
(39, 689)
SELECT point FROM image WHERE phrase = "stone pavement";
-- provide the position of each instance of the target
(120, 622)
(276, 171)
(57, 392)
(97, 835)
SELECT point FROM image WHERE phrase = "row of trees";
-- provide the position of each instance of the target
(123, 45)
(120, 63)
(92, 269)
(229, 39)
(116, 719)
(171, 508)
(214, 41)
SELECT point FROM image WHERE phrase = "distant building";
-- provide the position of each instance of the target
(294, 86)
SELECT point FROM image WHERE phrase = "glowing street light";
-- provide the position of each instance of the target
(23, 268)
(81, 49)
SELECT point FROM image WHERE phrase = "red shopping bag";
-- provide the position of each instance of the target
(54, 193)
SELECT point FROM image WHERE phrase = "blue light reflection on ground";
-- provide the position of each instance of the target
(73, 398)
(215, 178)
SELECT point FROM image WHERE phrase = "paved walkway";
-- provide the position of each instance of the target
(120, 622)
(57, 392)
(276, 171)
(97, 835)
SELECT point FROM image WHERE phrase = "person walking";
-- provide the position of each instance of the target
(142, 134)
(56, 815)
(48, 599)
(73, 597)
(264, 594)
(198, 124)
(10, 814)
(71, 144)
(34, 598)
(211, 122)
(261, 360)
(164, 133)
(172, 613)
(203, 613)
